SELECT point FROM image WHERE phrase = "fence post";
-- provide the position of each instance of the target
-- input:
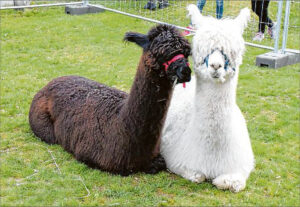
(277, 59)
(286, 25)
(277, 35)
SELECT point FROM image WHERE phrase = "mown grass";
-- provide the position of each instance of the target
(41, 44)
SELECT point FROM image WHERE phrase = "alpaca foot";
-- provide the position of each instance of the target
(157, 164)
(193, 176)
(233, 182)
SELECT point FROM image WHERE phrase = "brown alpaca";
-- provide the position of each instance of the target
(106, 128)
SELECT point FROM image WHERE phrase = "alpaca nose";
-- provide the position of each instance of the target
(183, 74)
(215, 66)
(179, 72)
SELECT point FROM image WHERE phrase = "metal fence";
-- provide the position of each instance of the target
(23, 4)
(285, 13)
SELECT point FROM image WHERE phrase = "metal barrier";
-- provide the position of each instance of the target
(37, 4)
(175, 14)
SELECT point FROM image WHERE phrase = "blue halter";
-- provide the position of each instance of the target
(227, 63)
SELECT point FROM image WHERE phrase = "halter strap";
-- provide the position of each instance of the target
(177, 57)
(168, 63)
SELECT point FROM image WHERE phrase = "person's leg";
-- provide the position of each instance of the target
(264, 20)
(163, 4)
(265, 17)
(151, 5)
(219, 9)
(271, 25)
(253, 5)
(201, 4)
(153, 1)
(257, 8)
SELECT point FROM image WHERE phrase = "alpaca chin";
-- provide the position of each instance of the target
(221, 79)
(222, 76)
(209, 139)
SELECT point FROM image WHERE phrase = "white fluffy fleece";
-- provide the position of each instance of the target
(205, 135)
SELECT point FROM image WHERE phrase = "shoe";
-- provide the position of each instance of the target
(162, 5)
(259, 37)
(187, 32)
(150, 6)
(272, 30)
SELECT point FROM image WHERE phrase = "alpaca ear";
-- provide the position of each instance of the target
(140, 39)
(242, 19)
(195, 15)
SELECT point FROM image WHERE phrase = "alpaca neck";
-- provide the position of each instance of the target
(221, 95)
(145, 108)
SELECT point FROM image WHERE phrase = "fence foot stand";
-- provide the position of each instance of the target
(277, 60)
(81, 9)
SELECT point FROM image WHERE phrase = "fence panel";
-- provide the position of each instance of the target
(24, 4)
(175, 13)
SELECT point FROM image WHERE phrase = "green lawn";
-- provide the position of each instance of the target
(41, 44)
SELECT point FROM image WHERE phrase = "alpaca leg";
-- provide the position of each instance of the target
(234, 182)
(40, 121)
(157, 164)
(195, 177)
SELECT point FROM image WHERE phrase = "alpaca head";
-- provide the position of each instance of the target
(168, 52)
(218, 45)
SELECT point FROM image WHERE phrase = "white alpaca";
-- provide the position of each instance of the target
(205, 135)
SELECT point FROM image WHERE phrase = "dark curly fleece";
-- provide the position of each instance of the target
(106, 128)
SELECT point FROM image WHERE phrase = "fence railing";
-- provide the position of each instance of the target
(30, 4)
(174, 12)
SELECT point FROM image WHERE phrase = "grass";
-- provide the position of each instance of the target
(42, 44)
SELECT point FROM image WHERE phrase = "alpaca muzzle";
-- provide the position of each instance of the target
(217, 66)
(183, 74)
(182, 70)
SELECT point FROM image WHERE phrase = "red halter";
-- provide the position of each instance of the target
(168, 63)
